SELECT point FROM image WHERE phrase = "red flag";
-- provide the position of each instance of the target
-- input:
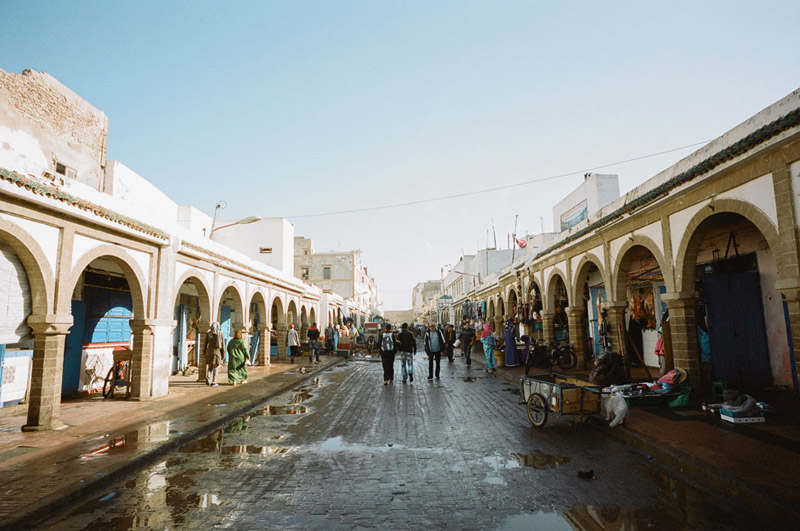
(522, 243)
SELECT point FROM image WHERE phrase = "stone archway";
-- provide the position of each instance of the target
(585, 313)
(49, 328)
(258, 326)
(738, 321)
(280, 327)
(231, 313)
(638, 285)
(555, 322)
(192, 313)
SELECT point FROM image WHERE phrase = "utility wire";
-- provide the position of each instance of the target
(496, 188)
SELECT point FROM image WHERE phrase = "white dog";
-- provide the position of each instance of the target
(614, 409)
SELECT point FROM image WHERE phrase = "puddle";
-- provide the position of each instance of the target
(536, 520)
(282, 410)
(114, 445)
(300, 396)
(337, 444)
(540, 460)
(10, 429)
(255, 450)
(226, 404)
(469, 378)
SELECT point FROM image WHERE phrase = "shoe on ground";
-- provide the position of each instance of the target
(411, 376)
(430, 377)
(214, 385)
(244, 381)
(437, 377)
(404, 380)
(386, 382)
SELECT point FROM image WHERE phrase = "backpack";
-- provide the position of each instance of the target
(387, 342)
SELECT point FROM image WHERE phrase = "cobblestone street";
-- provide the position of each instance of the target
(345, 451)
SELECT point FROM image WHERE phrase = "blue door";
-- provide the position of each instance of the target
(739, 351)
(225, 326)
(597, 346)
(71, 375)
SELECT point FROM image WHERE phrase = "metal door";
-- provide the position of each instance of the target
(71, 374)
(225, 326)
(739, 350)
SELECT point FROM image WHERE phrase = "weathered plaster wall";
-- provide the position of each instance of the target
(44, 122)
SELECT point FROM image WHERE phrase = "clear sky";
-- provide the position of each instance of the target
(291, 108)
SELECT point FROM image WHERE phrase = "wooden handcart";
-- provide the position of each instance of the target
(560, 395)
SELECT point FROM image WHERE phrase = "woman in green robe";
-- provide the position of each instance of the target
(238, 354)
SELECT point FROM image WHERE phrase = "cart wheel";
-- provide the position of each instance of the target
(566, 358)
(537, 410)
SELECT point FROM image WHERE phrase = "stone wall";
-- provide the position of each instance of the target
(42, 123)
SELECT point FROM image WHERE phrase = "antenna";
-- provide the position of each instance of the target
(514, 236)
(494, 233)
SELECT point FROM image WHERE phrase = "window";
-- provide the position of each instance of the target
(304, 273)
(326, 273)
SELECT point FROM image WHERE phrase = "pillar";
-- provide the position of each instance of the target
(615, 313)
(498, 324)
(577, 334)
(142, 364)
(683, 332)
(49, 337)
(262, 356)
(548, 327)
(200, 346)
(282, 329)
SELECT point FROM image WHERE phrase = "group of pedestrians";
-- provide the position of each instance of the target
(436, 343)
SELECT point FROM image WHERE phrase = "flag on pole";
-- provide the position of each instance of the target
(522, 243)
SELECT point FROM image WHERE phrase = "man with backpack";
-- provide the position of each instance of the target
(388, 350)
(407, 345)
(434, 345)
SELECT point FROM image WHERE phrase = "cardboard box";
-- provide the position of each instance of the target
(736, 417)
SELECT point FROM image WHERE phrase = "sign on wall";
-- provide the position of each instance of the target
(574, 215)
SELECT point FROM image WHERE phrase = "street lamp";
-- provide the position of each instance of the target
(243, 221)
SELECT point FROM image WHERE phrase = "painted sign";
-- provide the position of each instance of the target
(574, 215)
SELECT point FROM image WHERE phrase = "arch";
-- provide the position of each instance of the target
(203, 292)
(129, 267)
(238, 300)
(490, 309)
(312, 315)
(291, 314)
(258, 299)
(30, 254)
(618, 281)
(686, 257)
(277, 314)
(501, 307)
(582, 272)
(548, 297)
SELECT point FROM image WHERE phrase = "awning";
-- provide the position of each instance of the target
(15, 298)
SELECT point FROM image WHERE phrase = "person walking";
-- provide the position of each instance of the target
(449, 342)
(489, 344)
(238, 354)
(215, 352)
(313, 345)
(388, 349)
(293, 340)
(434, 345)
(467, 338)
(328, 339)
(407, 345)
(510, 344)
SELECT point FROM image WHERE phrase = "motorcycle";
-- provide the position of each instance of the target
(544, 357)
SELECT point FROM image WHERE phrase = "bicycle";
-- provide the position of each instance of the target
(119, 375)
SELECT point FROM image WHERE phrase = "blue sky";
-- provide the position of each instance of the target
(295, 108)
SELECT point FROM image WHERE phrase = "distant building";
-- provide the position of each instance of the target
(338, 272)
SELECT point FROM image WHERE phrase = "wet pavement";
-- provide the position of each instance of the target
(346, 452)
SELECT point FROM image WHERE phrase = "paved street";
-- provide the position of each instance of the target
(346, 452)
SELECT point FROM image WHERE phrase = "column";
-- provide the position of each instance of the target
(548, 327)
(283, 329)
(498, 324)
(683, 332)
(303, 336)
(616, 324)
(263, 345)
(49, 337)
(577, 334)
(200, 346)
(142, 364)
